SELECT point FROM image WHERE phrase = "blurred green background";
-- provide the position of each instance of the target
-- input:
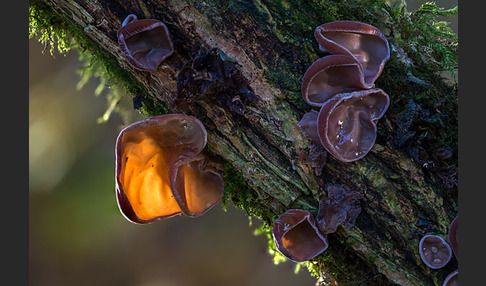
(77, 235)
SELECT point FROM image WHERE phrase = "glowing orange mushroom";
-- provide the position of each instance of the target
(161, 170)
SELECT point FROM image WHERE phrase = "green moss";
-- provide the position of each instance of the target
(428, 42)
(428, 45)
(59, 34)
(239, 193)
(50, 31)
(431, 42)
(332, 265)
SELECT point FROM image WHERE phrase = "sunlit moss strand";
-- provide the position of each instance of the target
(56, 34)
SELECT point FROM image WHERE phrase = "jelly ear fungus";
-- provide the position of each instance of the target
(340, 206)
(332, 75)
(346, 124)
(342, 85)
(359, 40)
(434, 251)
(452, 279)
(453, 236)
(144, 43)
(161, 169)
(297, 237)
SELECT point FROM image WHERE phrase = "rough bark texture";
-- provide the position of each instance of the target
(408, 178)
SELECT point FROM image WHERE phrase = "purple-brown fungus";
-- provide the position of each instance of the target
(308, 125)
(452, 279)
(332, 75)
(361, 41)
(297, 237)
(453, 232)
(214, 78)
(161, 170)
(342, 85)
(347, 122)
(341, 206)
(144, 43)
(434, 251)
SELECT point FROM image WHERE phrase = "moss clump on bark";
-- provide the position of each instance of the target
(60, 35)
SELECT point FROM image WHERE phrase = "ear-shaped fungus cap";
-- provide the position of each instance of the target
(331, 75)
(453, 236)
(297, 237)
(434, 251)
(161, 172)
(144, 43)
(347, 122)
(341, 206)
(452, 279)
(359, 40)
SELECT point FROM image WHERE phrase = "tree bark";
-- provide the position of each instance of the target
(408, 178)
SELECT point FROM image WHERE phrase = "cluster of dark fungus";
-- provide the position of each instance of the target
(214, 77)
(435, 252)
(144, 43)
(300, 237)
(341, 206)
(161, 169)
(342, 86)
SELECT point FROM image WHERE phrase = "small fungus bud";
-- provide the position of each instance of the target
(308, 125)
(434, 251)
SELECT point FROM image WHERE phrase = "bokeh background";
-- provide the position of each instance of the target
(77, 235)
